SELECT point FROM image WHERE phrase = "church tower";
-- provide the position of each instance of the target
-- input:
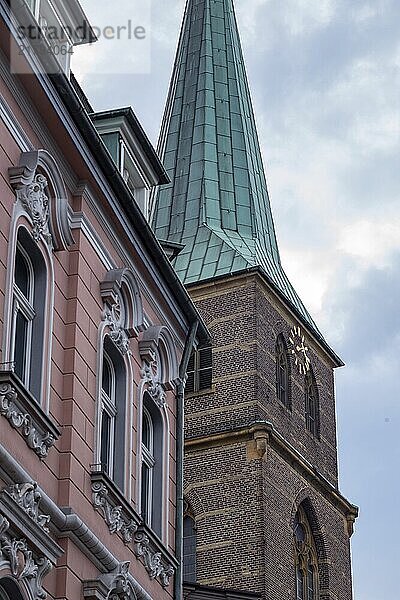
(264, 513)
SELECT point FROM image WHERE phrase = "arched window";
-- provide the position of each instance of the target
(113, 411)
(9, 590)
(152, 465)
(306, 563)
(148, 463)
(282, 372)
(189, 549)
(29, 302)
(311, 404)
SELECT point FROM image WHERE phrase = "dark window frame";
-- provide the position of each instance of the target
(152, 467)
(189, 549)
(311, 401)
(200, 370)
(306, 560)
(113, 408)
(29, 321)
(283, 374)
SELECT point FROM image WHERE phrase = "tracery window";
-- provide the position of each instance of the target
(311, 404)
(189, 549)
(306, 563)
(282, 372)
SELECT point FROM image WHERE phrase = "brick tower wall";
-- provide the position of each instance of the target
(250, 461)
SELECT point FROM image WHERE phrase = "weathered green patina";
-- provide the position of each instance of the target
(217, 203)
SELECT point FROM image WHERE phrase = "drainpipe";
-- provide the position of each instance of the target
(180, 437)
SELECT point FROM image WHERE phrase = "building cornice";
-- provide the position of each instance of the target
(59, 91)
(265, 435)
(64, 523)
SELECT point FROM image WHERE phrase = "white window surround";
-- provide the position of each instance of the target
(38, 306)
(159, 376)
(41, 209)
(122, 320)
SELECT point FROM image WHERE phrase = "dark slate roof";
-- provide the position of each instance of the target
(217, 203)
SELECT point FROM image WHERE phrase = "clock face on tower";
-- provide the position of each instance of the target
(299, 350)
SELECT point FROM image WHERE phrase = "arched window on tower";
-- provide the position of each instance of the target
(306, 563)
(189, 549)
(282, 372)
(311, 404)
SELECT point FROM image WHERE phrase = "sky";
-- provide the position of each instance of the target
(325, 80)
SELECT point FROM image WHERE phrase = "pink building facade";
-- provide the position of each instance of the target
(96, 332)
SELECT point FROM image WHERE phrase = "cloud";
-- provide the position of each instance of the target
(324, 76)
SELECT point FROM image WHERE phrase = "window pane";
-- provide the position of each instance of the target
(107, 377)
(146, 431)
(145, 493)
(105, 442)
(299, 585)
(205, 368)
(21, 273)
(189, 550)
(205, 358)
(190, 382)
(300, 533)
(310, 583)
(21, 335)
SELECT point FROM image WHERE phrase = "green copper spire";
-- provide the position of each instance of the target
(217, 203)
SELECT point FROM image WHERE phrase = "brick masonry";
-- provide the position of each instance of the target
(244, 483)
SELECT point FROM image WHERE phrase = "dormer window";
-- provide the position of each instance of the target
(61, 25)
(33, 7)
(132, 153)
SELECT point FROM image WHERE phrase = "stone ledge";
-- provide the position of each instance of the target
(25, 415)
(27, 552)
(122, 519)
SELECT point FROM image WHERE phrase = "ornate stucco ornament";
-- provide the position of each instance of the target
(113, 515)
(118, 521)
(39, 442)
(123, 311)
(116, 585)
(33, 198)
(24, 566)
(160, 371)
(41, 192)
(152, 560)
(28, 497)
(151, 375)
(112, 317)
(120, 587)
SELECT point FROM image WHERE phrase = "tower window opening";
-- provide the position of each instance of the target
(199, 372)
